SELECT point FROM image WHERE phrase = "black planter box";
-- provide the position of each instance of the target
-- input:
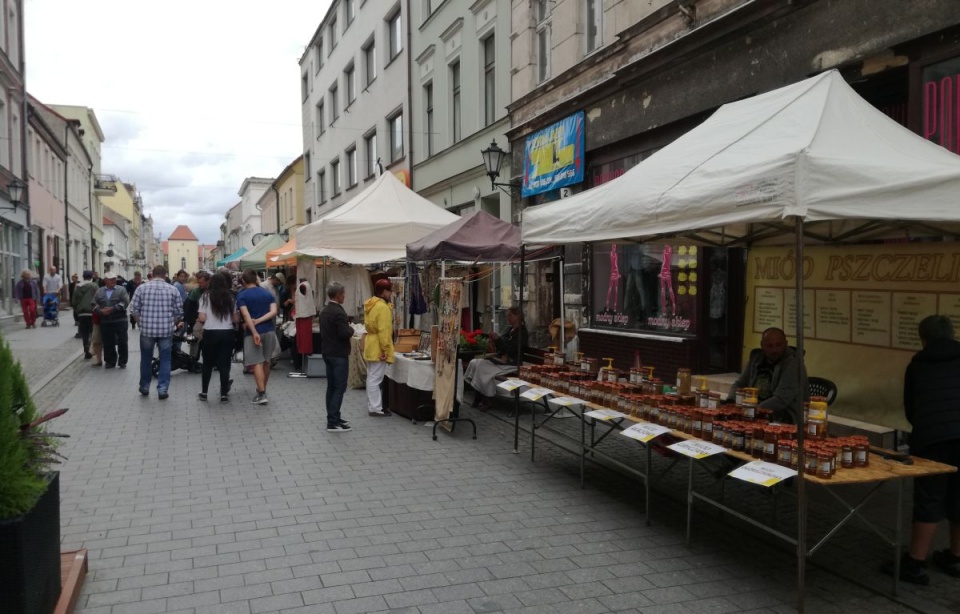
(30, 557)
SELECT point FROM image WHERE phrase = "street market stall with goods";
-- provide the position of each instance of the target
(256, 258)
(232, 261)
(811, 162)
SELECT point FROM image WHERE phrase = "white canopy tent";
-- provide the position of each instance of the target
(770, 167)
(374, 226)
(815, 150)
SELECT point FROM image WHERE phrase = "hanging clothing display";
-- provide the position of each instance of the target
(356, 285)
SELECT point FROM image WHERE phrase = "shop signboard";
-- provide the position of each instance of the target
(941, 103)
(553, 157)
(862, 305)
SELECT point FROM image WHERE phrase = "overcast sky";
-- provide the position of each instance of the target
(193, 96)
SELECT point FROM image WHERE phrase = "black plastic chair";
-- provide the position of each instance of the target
(820, 387)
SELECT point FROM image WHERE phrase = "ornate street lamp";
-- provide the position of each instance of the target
(15, 193)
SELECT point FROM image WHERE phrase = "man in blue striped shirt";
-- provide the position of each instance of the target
(158, 308)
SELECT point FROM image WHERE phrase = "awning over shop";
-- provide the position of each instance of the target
(815, 150)
(232, 257)
(256, 258)
(374, 226)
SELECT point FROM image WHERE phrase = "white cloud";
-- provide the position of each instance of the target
(193, 97)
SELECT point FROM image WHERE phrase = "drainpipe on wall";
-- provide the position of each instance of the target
(24, 119)
(409, 96)
(66, 194)
(276, 193)
(93, 243)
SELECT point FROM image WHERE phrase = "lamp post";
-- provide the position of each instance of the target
(15, 193)
(493, 159)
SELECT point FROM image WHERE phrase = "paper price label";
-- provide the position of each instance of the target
(644, 432)
(535, 394)
(604, 414)
(694, 448)
(566, 401)
(762, 473)
(512, 384)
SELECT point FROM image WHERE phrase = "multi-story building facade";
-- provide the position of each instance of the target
(288, 188)
(354, 77)
(250, 219)
(633, 76)
(230, 230)
(76, 185)
(460, 57)
(151, 256)
(47, 156)
(183, 250)
(15, 248)
(125, 202)
(91, 136)
(117, 232)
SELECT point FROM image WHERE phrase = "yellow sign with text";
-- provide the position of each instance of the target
(861, 308)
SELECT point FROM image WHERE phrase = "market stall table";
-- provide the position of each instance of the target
(410, 387)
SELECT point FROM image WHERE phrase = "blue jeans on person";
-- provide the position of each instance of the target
(337, 370)
(146, 361)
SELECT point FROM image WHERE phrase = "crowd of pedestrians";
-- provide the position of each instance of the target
(228, 312)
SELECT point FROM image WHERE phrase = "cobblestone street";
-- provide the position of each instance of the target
(191, 507)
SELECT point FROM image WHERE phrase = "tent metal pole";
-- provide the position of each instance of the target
(801, 482)
(563, 335)
(516, 397)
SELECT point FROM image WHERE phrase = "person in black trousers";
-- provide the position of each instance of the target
(219, 316)
(335, 334)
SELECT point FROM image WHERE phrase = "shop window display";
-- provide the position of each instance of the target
(651, 287)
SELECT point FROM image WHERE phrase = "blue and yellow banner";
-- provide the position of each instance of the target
(553, 157)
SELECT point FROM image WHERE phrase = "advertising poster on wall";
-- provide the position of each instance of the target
(553, 157)
(648, 287)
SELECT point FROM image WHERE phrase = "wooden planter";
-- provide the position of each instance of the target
(30, 556)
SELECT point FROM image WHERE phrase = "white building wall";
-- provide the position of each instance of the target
(455, 34)
(329, 140)
(250, 220)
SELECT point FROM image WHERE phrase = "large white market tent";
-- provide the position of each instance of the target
(815, 150)
(374, 226)
(769, 168)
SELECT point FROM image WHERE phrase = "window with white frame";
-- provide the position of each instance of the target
(489, 80)
(370, 152)
(395, 125)
(306, 165)
(321, 126)
(543, 29)
(333, 33)
(594, 24)
(349, 82)
(304, 87)
(318, 47)
(334, 102)
(394, 35)
(455, 100)
(369, 62)
(321, 186)
(335, 176)
(428, 118)
(352, 167)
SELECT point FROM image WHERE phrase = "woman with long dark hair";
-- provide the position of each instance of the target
(219, 316)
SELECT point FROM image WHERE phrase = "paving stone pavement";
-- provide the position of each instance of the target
(194, 507)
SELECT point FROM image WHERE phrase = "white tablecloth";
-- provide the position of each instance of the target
(418, 374)
(414, 373)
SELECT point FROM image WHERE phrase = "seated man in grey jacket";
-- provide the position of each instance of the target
(773, 372)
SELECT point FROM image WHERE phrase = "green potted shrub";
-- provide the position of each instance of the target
(29, 498)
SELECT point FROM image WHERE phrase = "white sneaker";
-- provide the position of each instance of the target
(261, 399)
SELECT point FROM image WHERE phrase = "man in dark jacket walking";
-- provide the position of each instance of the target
(81, 300)
(335, 335)
(931, 400)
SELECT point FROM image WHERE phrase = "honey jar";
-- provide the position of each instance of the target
(683, 381)
(770, 444)
(784, 452)
(824, 462)
(846, 454)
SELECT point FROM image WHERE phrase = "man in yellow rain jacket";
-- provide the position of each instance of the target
(378, 344)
